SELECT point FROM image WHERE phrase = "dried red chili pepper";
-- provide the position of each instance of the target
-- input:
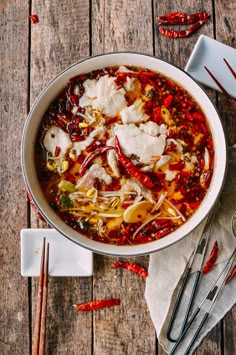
(123, 240)
(94, 305)
(126, 74)
(183, 33)
(168, 100)
(90, 157)
(177, 166)
(140, 239)
(231, 275)
(212, 259)
(76, 137)
(57, 151)
(122, 76)
(160, 234)
(183, 19)
(133, 267)
(171, 15)
(34, 18)
(156, 114)
(148, 74)
(131, 168)
(99, 239)
(205, 179)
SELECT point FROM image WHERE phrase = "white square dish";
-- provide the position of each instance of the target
(66, 258)
(210, 53)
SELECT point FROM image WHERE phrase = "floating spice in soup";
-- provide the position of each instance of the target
(124, 155)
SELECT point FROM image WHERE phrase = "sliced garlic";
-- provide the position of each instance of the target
(137, 212)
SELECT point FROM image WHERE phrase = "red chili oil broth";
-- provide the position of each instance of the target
(165, 102)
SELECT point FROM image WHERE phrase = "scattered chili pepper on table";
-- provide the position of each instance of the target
(212, 259)
(131, 168)
(34, 18)
(94, 305)
(231, 275)
(133, 267)
(171, 16)
(180, 18)
(183, 33)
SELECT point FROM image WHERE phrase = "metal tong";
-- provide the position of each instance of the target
(197, 259)
(207, 304)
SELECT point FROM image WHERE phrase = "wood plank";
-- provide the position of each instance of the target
(177, 51)
(127, 329)
(122, 25)
(226, 33)
(14, 337)
(59, 39)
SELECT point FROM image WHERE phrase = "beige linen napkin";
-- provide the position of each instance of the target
(167, 266)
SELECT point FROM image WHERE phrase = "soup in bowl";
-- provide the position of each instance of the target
(124, 154)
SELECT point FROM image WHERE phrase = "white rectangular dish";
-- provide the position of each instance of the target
(66, 258)
(210, 53)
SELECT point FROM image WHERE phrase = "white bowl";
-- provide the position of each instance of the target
(52, 90)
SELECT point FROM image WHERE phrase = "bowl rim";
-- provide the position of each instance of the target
(119, 248)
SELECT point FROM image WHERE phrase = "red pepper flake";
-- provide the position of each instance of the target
(168, 100)
(94, 305)
(231, 275)
(34, 18)
(212, 259)
(156, 114)
(131, 267)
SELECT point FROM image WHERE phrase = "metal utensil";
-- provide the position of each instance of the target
(197, 258)
(209, 300)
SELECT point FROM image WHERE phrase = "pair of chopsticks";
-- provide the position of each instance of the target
(220, 86)
(41, 311)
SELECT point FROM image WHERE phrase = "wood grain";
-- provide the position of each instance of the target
(226, 33)
(177, 52)
(14, 335)
(127, 329)
(68, 31)
(59, 39)
(122, 25)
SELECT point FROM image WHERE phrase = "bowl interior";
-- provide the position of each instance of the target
(98, 62)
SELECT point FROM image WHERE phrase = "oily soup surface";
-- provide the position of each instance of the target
(124, 155)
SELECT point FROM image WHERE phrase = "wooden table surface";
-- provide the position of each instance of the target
(31, 55)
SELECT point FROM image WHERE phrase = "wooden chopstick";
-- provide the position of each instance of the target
(224, 91)
(41, 311)
(230, 68)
